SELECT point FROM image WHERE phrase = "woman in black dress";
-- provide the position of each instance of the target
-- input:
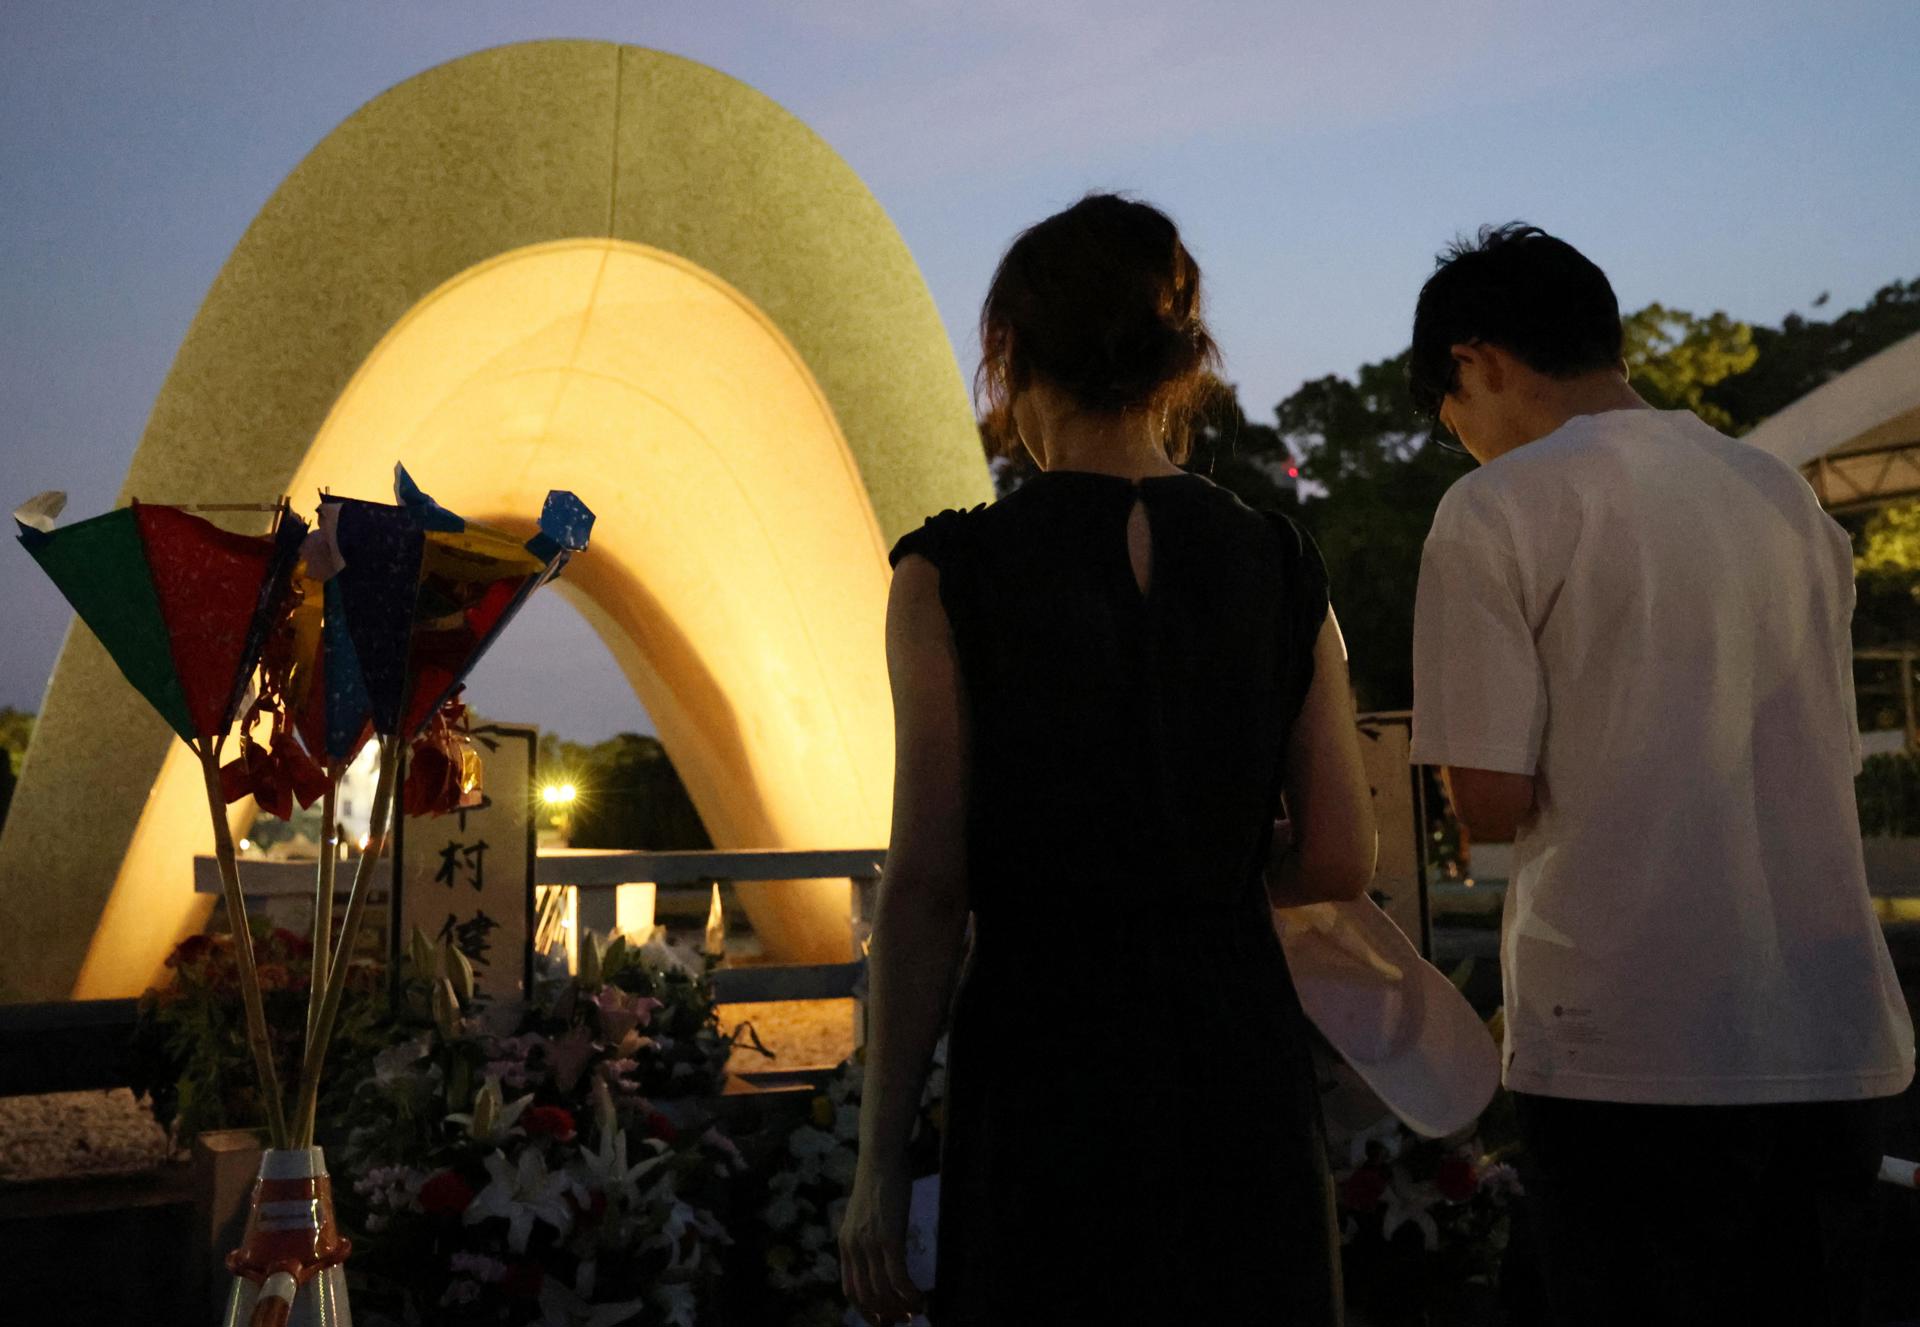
(1103, 686)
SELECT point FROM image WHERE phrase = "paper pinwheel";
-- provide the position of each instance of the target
(184, 608)
(413, 597)
(362, 628)
(181, 605)
(419, 594)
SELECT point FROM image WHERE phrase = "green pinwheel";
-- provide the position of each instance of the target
(183, 607)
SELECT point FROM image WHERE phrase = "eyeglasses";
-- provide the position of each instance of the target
(1442, 437)
(1437, 432)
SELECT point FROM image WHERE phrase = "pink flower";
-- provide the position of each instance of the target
(569, 1057)
(511, 1073)
(616, 1071)
(621, 1013)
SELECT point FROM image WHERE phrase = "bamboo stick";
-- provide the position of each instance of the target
(257, 1040)
(307, 1103)
(323, 895)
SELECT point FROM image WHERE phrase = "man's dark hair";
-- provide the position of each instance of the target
(1517, 287)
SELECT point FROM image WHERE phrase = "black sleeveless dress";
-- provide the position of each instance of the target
(1132, 1133)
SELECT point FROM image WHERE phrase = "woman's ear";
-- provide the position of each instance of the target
(1026, 427)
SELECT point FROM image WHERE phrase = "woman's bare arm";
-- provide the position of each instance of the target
(918, 931)
(1331, 852)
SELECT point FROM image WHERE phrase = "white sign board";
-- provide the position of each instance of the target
(467, 876)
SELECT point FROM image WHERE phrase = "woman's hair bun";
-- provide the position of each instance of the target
(1103, 301)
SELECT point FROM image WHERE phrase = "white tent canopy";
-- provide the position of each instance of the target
(1857, 437)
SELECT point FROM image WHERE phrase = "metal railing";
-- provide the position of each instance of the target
(597, 875)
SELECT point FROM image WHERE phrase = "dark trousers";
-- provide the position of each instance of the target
(1648, 1215)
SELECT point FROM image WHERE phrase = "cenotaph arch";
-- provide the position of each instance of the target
(571, 265)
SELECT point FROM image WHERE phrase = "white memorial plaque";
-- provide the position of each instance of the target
(467, 876)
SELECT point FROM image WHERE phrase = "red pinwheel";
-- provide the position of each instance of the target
(183, 607)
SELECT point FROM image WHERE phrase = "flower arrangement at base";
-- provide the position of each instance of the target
(189, 1056)
(807, 1195)
(558, 1170)
(1421, 1219)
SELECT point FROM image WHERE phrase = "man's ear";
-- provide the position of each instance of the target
(1480, 365)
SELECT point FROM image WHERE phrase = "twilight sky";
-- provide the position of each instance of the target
(1712, 156)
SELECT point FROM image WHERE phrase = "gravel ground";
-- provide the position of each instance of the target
(803, 1034)
(63, 1135)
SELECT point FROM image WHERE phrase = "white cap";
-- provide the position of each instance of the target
(1392, 1015)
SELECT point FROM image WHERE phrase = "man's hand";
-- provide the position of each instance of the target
(873, 1245)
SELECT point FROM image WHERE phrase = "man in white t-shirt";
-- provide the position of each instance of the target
(1632, 653)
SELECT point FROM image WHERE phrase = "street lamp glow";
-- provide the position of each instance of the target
(558, 794)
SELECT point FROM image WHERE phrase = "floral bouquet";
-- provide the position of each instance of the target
(807, 1195)
(189, 1047)
(1422, 1220)
(558, 1171)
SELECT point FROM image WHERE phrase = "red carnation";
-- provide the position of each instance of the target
(1457, 1179)
(1363, 1190)
(555, 1122)
(661, 1127)
(523, 1281)
(296, 945)
(445, 1194)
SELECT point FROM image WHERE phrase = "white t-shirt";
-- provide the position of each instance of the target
(1655, 620)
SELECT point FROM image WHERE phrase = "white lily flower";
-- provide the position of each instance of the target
(607, 1168)
(661, 955)
(561, 1307)
(675, 1300)
(681, 1218)
(1408, 1203)
(398, 1061)
(492, 1119)
(846, 1122)
(1388, 1132)
(605, 1118)
(522, 1195)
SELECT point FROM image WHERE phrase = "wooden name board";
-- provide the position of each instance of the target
(467, 876)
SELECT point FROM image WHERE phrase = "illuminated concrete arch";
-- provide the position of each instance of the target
(560, 264)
